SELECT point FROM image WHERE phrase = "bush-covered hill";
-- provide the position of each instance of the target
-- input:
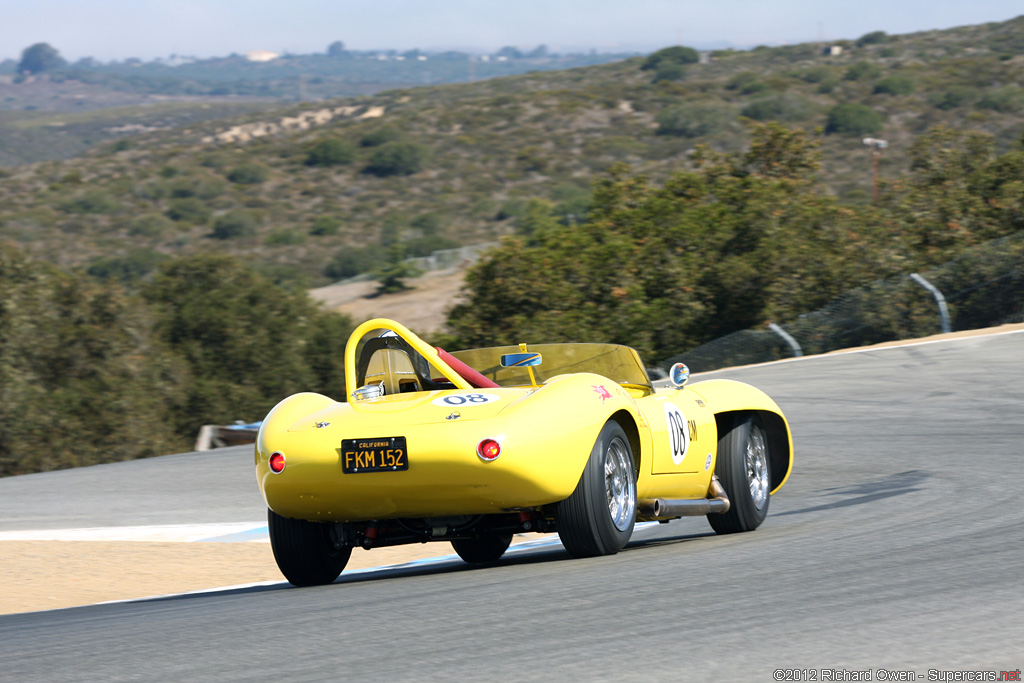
(91, 373)
(461, 163)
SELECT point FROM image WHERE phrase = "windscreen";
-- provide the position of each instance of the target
(620, 364)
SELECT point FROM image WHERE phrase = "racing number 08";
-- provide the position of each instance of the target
(678, 433)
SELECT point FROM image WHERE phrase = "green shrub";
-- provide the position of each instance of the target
(284, 238)
(1008, 100)
(380, 136)
(693, 120)
(349, 262)
(196, 187)
(248, 174)
(324, 226)
(150, 225)
(428, 244)
(873, 38)
(815, 74)
(953, 97)
(778, 108)
(894, 85)
(151, 190)
(330, 152)
(746, 83)
(862, 71)
(427, 223)
(90, 201)
(854, 119)
(670, 55)
(669, 71)
(189, 209)
(828, 85)
(234, 224)
(396, 159)
(134, 265)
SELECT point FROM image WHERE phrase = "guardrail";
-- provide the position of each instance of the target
(980, 288)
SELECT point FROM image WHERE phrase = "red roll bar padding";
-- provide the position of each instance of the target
(465, 372)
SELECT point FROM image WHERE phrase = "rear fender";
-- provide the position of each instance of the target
(573, 409)
(284, 415)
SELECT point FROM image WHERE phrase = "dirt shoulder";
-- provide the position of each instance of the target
(422, 308)
(43, 575)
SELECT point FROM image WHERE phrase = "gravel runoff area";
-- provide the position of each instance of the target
(43, 575)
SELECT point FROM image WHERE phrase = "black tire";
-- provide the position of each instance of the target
(482, 548)
(598, 518)
(744, 470)
(304, 551)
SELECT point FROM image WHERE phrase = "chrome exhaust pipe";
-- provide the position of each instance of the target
(660, 507)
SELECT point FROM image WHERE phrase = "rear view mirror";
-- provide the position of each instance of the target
(520, 360)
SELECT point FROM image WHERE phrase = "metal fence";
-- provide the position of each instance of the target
(982, 287)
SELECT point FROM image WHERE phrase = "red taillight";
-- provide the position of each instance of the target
(276, 463)
(488, 449)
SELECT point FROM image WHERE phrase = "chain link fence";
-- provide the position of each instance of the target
(982, 287)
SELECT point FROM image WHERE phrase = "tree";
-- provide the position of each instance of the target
(743, 238)
(396, 158)
(40, 57)
(671, 55)
(854, 119)
(238, 223)
(81, 381)
(872, 38)
(330, 152)
(244, 340)
(337, 49)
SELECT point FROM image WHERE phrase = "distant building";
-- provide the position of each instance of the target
(260, 55)
(832, 50)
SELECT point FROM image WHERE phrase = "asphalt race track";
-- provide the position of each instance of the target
(897, 545)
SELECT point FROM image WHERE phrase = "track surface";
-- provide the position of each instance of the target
(897, 544)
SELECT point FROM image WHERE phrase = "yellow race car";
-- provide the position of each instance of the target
(474, 446)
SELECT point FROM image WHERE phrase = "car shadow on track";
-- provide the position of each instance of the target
(868, 492)
(451, 564)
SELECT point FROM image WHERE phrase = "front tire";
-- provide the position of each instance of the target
(598, 518)
(304, 551)
(743, 468)
(482, 548)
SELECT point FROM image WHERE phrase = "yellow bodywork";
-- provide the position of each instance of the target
(546, 432)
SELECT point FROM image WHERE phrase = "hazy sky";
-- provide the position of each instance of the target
(117, 29)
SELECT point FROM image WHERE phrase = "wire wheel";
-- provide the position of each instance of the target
(743, 467)
(757, 468)
(620, 484)
(598, 518)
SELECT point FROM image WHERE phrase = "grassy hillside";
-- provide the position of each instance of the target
(432, 166)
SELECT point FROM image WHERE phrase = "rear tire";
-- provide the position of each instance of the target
(482, 548)
(598, 518)
(743, 469)
(304, 551)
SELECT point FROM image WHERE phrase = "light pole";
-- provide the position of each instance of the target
(876, 146)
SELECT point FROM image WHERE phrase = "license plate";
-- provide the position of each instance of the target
(386, 454)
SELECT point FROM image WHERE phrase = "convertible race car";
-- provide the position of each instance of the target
(474, 446)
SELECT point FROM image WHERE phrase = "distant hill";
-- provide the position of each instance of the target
(316, 190)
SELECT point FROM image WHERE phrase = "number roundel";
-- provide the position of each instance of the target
(678, 433)
(465, 400)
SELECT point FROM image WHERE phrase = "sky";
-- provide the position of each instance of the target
(148, 29)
